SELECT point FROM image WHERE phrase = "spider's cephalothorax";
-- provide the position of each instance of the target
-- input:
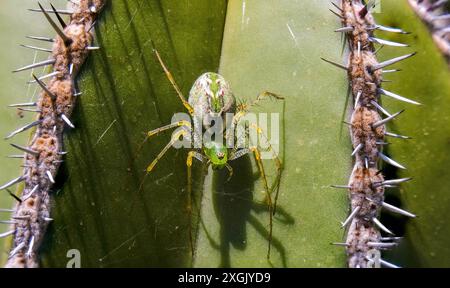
(210, 100)
(217, 154)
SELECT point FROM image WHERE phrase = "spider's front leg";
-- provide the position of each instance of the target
(185, 132)
(174, 83)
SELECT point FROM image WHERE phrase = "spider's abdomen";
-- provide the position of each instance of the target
(211, 97)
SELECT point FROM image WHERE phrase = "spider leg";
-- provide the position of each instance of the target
(276, 159)
(198, 156)
(230, 171)
(258, 159)
(170, 126)
(182, 123)
(244, 108)
(174, 84)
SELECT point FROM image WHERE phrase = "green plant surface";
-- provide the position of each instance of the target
(424, 78)
(15, 23)
(276, 46)
(99, 210)
(272, 45)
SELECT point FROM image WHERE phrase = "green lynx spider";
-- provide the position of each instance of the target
(211, 94)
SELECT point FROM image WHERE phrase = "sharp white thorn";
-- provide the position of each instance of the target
(379, 107)
(396, 135)
(391, 71)
(46, 39)
(391, 61)
(17, 249)
(24, 128)
(390, 29)
(359, 48)
(391, 238)
(50, 177)
(344, 29)
(381, 226)
(398, 97)
(15, 156)
(29, 104)
(387, 264)
(359, 147)
(358, 96)
(64, 117)
(350, 217)
(44, 77)
(390, 161)
(30, 247)
(397, 210)
(9, 222)
(31, 193)
(36, 48)
(386, 42)
(34, 189)
(396, 181)
(385, 120)
(26, 217)
(60, 11)
(382, 244)
(6, 210)
(12, 182)
(34, 65)
(6, 234)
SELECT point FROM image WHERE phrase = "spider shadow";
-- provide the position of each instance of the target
(233, 204)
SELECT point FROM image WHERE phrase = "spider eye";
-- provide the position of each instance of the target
(220, 155)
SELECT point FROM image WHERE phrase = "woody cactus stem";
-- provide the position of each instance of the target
(43, 155)
(368, 131)
(434, 14)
